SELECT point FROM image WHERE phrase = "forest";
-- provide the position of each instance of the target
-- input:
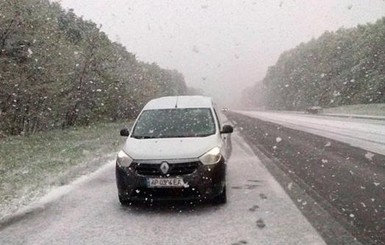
(58, 70)
(345, 67)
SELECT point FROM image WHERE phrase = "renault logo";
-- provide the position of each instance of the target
(164, 167)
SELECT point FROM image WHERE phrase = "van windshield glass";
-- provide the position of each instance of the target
(170, 123)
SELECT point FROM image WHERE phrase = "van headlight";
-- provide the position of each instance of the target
(123, 159)
(213, 156)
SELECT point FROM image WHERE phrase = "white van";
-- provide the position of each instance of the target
(176, 150)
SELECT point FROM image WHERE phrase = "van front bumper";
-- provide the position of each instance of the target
(205, 182)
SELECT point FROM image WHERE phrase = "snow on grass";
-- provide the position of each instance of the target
(32, 165)
(58, 192)
(361, 109)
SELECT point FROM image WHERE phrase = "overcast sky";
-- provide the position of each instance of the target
(221, 46)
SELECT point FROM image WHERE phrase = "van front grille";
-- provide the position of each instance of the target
(153, 169)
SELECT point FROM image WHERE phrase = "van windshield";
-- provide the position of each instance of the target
(170, 123)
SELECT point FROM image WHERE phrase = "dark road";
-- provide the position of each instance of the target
(346, 181)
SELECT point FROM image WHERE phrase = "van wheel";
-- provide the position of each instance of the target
(222, 198)
(124, 201)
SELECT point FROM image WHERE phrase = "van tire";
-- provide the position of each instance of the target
(221, 198)
(124, 201)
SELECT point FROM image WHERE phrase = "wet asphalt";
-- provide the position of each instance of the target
(345, 182)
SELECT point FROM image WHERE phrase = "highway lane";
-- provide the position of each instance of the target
(347, 181)
(258, 212)
(363, 133)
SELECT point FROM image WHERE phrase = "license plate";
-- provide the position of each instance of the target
(165, 182)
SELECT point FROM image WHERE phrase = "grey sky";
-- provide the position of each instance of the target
(221, 45)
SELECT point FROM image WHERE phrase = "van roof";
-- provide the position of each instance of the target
(170, 102)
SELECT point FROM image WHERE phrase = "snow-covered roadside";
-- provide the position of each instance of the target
(365, 134)
(33, 165)
(34, 198)
(48, 194)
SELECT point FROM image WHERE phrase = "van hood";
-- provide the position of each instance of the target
(169, 148)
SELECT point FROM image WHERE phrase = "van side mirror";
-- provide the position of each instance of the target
(227, 129)
(124, 132)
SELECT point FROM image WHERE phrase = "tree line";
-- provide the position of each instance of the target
(58, 70)
(338, 68)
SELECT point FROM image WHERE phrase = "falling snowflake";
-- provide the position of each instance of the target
(29, 52)
(186, 185)
(369, 156)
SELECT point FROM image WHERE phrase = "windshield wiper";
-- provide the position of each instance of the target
(170, 136)
(144, 137)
